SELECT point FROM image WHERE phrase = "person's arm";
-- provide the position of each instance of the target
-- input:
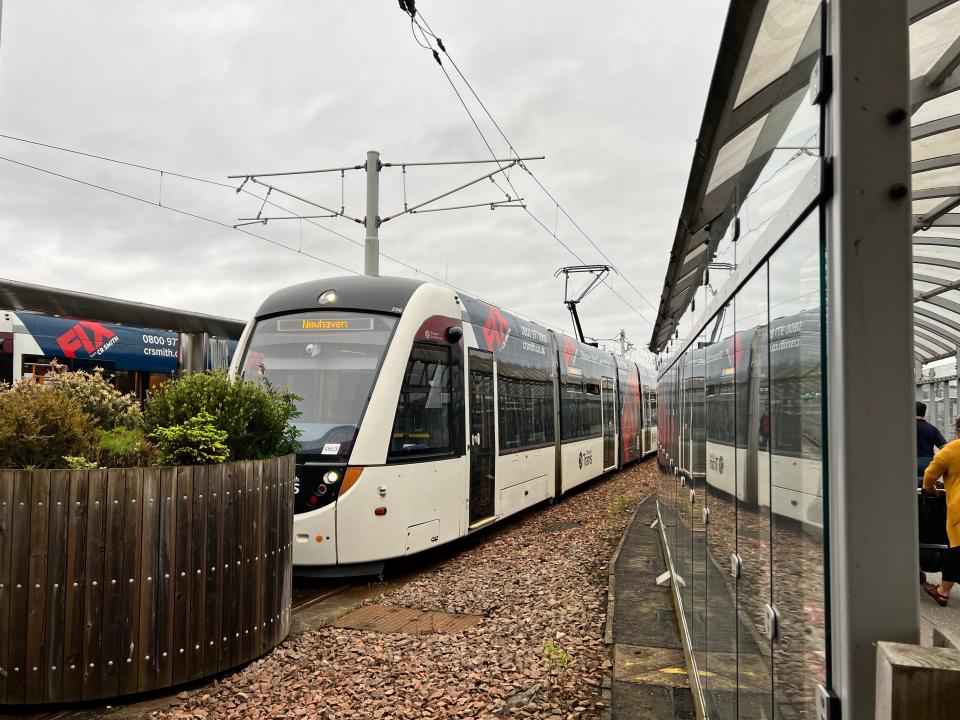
(935, 470)
(938, 440)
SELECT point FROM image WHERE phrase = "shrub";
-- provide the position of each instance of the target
(195, 442)
(255, 418)
(109, 407)
(124, 447)
(75, 462)
(39, 428)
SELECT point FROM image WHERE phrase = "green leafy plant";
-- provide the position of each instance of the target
(195, 442)
(255, 417)
(75, 462)
(557, 658)
(124, 447)
(618, 504)
(39, 428)
(109, 407)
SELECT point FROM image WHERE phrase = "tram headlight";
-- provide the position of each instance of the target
(331, 477)
(327, 297)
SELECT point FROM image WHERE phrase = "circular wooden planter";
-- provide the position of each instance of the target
(120, 581)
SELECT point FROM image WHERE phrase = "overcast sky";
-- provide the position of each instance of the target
(611, 92)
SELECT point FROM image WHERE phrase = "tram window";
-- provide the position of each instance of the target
(580, 412)
(423, 421)
(526, 408)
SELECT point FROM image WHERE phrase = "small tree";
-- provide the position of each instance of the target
(109, 407)
(38, 429)
(195, 442)
(256, 418)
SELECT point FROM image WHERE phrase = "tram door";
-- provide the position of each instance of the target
(482, 437)
(608, 408)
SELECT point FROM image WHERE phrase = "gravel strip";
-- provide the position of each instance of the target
(538, 653)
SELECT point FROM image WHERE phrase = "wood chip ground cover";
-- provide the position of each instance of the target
(538, 653)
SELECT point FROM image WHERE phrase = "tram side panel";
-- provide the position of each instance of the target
(525, 379)
(588, 444)
(631, 412)
(412, 489)
(648, 391)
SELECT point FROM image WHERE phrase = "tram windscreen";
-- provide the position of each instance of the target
(330, 361)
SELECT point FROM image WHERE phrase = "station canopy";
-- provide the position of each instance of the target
(69, 303)
(753, 150)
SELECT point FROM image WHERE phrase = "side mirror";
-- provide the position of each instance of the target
(454, 333)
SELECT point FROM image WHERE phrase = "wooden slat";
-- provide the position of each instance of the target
(113, 579)
(198, 545)
(20, 582)
(75, 587)
(274, 467)
(212, 593)
(259, 637)
(269, 545)
(181, 618)
(59, 511)
(37, 590)
(167, 558)
(289, 465)
(146, 651)
(223, 570)
(276, 573)
(232, 530)
(243, 548)
(128, 649)
(7, 540)
(93, 593)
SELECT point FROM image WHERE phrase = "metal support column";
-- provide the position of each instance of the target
(871, 435)
(371, 256)
(193, 352)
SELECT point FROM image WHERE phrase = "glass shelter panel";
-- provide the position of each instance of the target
(796, 471)
(753, 498)
(696, 496)
(719, 477)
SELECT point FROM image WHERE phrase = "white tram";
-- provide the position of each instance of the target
(742, 414)
(427, 414)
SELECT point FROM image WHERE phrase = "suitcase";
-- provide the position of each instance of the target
(933, 540)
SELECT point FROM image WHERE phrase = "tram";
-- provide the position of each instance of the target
(427, 414)
(742, 414)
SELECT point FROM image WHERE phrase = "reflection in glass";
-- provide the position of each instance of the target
(753, 498)
(720, 686)
(796, 469)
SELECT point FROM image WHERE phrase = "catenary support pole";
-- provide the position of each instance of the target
(871, 500)
(371, 258)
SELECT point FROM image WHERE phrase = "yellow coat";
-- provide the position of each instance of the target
(946, 463)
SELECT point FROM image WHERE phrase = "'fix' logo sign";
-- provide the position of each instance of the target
(91, 337)
(496, 330)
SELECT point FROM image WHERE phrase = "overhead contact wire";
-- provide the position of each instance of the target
(527, 169)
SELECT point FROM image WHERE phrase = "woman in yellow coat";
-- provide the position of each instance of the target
(946, 464)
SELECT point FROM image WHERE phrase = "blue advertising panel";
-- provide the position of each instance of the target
(129, 348)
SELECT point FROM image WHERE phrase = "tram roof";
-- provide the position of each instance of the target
(767, 53)
(70, 303)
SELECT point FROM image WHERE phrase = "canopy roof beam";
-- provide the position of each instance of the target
(919, 9)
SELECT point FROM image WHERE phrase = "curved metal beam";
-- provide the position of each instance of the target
(953, 338)
(933, 340)
(935, 163)
(936, 241)
(936, 262)
(950, 323)
(935, 127)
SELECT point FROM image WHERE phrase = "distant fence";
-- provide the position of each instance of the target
(120, 581)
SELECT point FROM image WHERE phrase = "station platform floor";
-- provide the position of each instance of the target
(934, 618)
(649, 669)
